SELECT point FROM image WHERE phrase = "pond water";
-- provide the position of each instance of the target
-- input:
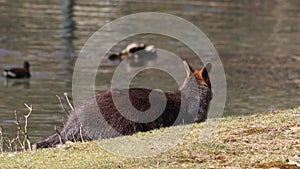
(258, 43)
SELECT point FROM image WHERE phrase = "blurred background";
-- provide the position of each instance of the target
(258, 43)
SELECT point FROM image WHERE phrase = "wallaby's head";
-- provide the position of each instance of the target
(196, 90)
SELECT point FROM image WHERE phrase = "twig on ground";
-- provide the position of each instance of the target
(62, 106)
(6, 143)
(17, 122)
(21, 141)
(10, 142)
(24, 132)
(80, 132)
(59, 136)
(66, 96)
(26, 137)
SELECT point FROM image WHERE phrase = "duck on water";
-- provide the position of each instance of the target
(131, 50)
(17, 73)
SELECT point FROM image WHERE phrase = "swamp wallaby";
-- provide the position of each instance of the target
(98, 117)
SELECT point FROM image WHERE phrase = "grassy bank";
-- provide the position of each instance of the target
(270, 139)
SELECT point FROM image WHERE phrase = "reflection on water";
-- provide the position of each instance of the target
(25, 83)
(68, 26)
(258, 43)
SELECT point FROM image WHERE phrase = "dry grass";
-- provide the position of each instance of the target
(264, 140)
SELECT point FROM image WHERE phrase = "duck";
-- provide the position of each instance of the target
(18, 72)
(130, 50)
(134, 47)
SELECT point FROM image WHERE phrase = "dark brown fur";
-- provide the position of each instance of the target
(98, 117)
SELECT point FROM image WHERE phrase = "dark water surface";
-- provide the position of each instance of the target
(258, 43)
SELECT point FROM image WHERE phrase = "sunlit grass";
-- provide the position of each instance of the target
(261, 141)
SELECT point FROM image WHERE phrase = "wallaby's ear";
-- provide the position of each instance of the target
(204, 73)
(189, 70)
(208, 67)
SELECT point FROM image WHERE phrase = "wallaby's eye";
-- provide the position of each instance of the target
(197, 77)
